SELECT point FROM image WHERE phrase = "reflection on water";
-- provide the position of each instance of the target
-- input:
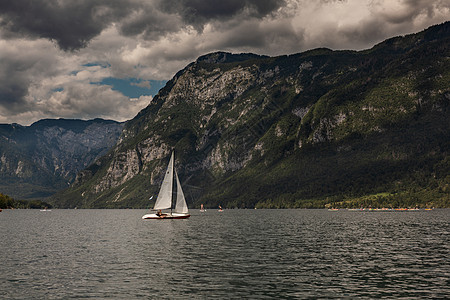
(231, 254)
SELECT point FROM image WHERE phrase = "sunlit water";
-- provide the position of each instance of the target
(257, 254)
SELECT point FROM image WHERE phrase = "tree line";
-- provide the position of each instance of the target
(8, 202)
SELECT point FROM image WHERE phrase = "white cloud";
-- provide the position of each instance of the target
(37, 80)
(81, 100)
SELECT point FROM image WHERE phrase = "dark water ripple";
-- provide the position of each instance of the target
(252, 254)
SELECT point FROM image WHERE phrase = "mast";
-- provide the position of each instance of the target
(173, 183)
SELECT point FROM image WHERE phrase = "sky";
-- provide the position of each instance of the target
(88, 59)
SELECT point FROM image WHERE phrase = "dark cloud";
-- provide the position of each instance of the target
(157, 19)
(21, 65)
(11, 95)
(199, 12)
(151, 23)
(251, 34)
(72, 24)
(13, 83)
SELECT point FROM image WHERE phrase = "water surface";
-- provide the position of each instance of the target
(257, 254)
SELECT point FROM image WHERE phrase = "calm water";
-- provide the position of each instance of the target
(257, 254)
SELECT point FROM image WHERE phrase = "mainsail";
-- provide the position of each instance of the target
(164, 200)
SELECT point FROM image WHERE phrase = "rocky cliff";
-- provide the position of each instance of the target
(299, 130)
(38, 160)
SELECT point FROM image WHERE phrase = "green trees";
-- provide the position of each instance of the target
(8, 202)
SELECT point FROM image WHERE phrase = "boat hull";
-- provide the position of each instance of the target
(165, 216)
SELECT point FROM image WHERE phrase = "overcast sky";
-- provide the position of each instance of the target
(107, 58)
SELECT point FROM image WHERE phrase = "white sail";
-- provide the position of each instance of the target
(181, 206)
(164, 200)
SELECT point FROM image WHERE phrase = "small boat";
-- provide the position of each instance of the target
(46, 209)
(165, 197)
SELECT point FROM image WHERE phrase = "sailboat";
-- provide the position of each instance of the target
(165, 197)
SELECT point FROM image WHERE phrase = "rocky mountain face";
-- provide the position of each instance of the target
(298, 130)
(40, 159)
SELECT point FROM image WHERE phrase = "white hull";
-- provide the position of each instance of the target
(166, 216)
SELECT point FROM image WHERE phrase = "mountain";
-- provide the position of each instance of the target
(313, 129)
(38, 160)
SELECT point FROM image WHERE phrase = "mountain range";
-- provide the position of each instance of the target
(38, 160)
(320, 128)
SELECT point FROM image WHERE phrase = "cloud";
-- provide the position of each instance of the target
(93, 101)
(37, 80)
(355, 24)
(52, 51)
(150, 23)
(20, 63)
(200, 12)
(72, 24)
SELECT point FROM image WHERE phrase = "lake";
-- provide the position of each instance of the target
(257, 254)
